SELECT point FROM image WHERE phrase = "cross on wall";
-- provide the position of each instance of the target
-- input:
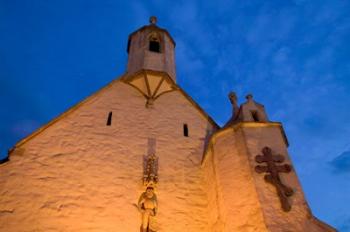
(272, 175)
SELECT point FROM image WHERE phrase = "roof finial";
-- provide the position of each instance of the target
(233, 99)
(153, 20)
(249, 97)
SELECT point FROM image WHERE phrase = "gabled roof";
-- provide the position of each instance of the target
(121, 78)
(64, 114)
(127, 78)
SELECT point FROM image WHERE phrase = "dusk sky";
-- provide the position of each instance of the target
(292, 55)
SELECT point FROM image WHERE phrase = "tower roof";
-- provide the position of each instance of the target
(153, 26)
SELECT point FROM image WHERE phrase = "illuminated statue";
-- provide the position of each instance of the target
(148, 206)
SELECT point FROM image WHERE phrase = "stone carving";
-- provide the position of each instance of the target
(148, 206)
(273, 177)
(150, 173)
(233, 99)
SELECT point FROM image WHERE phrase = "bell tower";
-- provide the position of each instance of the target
(151, 62)
(151, 48)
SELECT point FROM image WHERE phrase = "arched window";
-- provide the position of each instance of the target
(154, 43)
(255, 115)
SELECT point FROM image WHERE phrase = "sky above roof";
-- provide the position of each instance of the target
(293, 56)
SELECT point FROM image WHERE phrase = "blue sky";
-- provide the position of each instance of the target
(292, 55)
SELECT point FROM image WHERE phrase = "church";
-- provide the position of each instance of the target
(141, 155)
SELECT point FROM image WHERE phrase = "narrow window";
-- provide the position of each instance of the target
(255, 115)
(128, 47)
(109, 119)
(154, 46)
(185, 130)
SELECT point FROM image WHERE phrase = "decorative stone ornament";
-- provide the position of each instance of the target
(147, 203)
(151, 85)
(150, 173)
(235, 108)
(273, 177)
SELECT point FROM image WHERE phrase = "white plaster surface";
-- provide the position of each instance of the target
(235, 199)
(81, 175)
(241, 200)
(300, 217)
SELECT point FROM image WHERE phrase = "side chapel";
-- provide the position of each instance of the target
(142, 155)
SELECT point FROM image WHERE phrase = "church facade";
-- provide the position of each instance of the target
(141, 155)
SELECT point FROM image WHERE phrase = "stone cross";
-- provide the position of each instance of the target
(272, 169)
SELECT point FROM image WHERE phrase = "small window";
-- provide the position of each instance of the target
(154, 46)
(128, 47)
(185, 130)
(255, 115)
(109, 119)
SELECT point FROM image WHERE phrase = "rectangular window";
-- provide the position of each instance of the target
(154, 46)
(185, 130)
(109, 119)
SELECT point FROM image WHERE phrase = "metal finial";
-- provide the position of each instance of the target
(153, 19)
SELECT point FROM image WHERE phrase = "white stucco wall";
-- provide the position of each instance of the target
(235, 202)
(299, 218)
(239, 197)
(81, 175)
